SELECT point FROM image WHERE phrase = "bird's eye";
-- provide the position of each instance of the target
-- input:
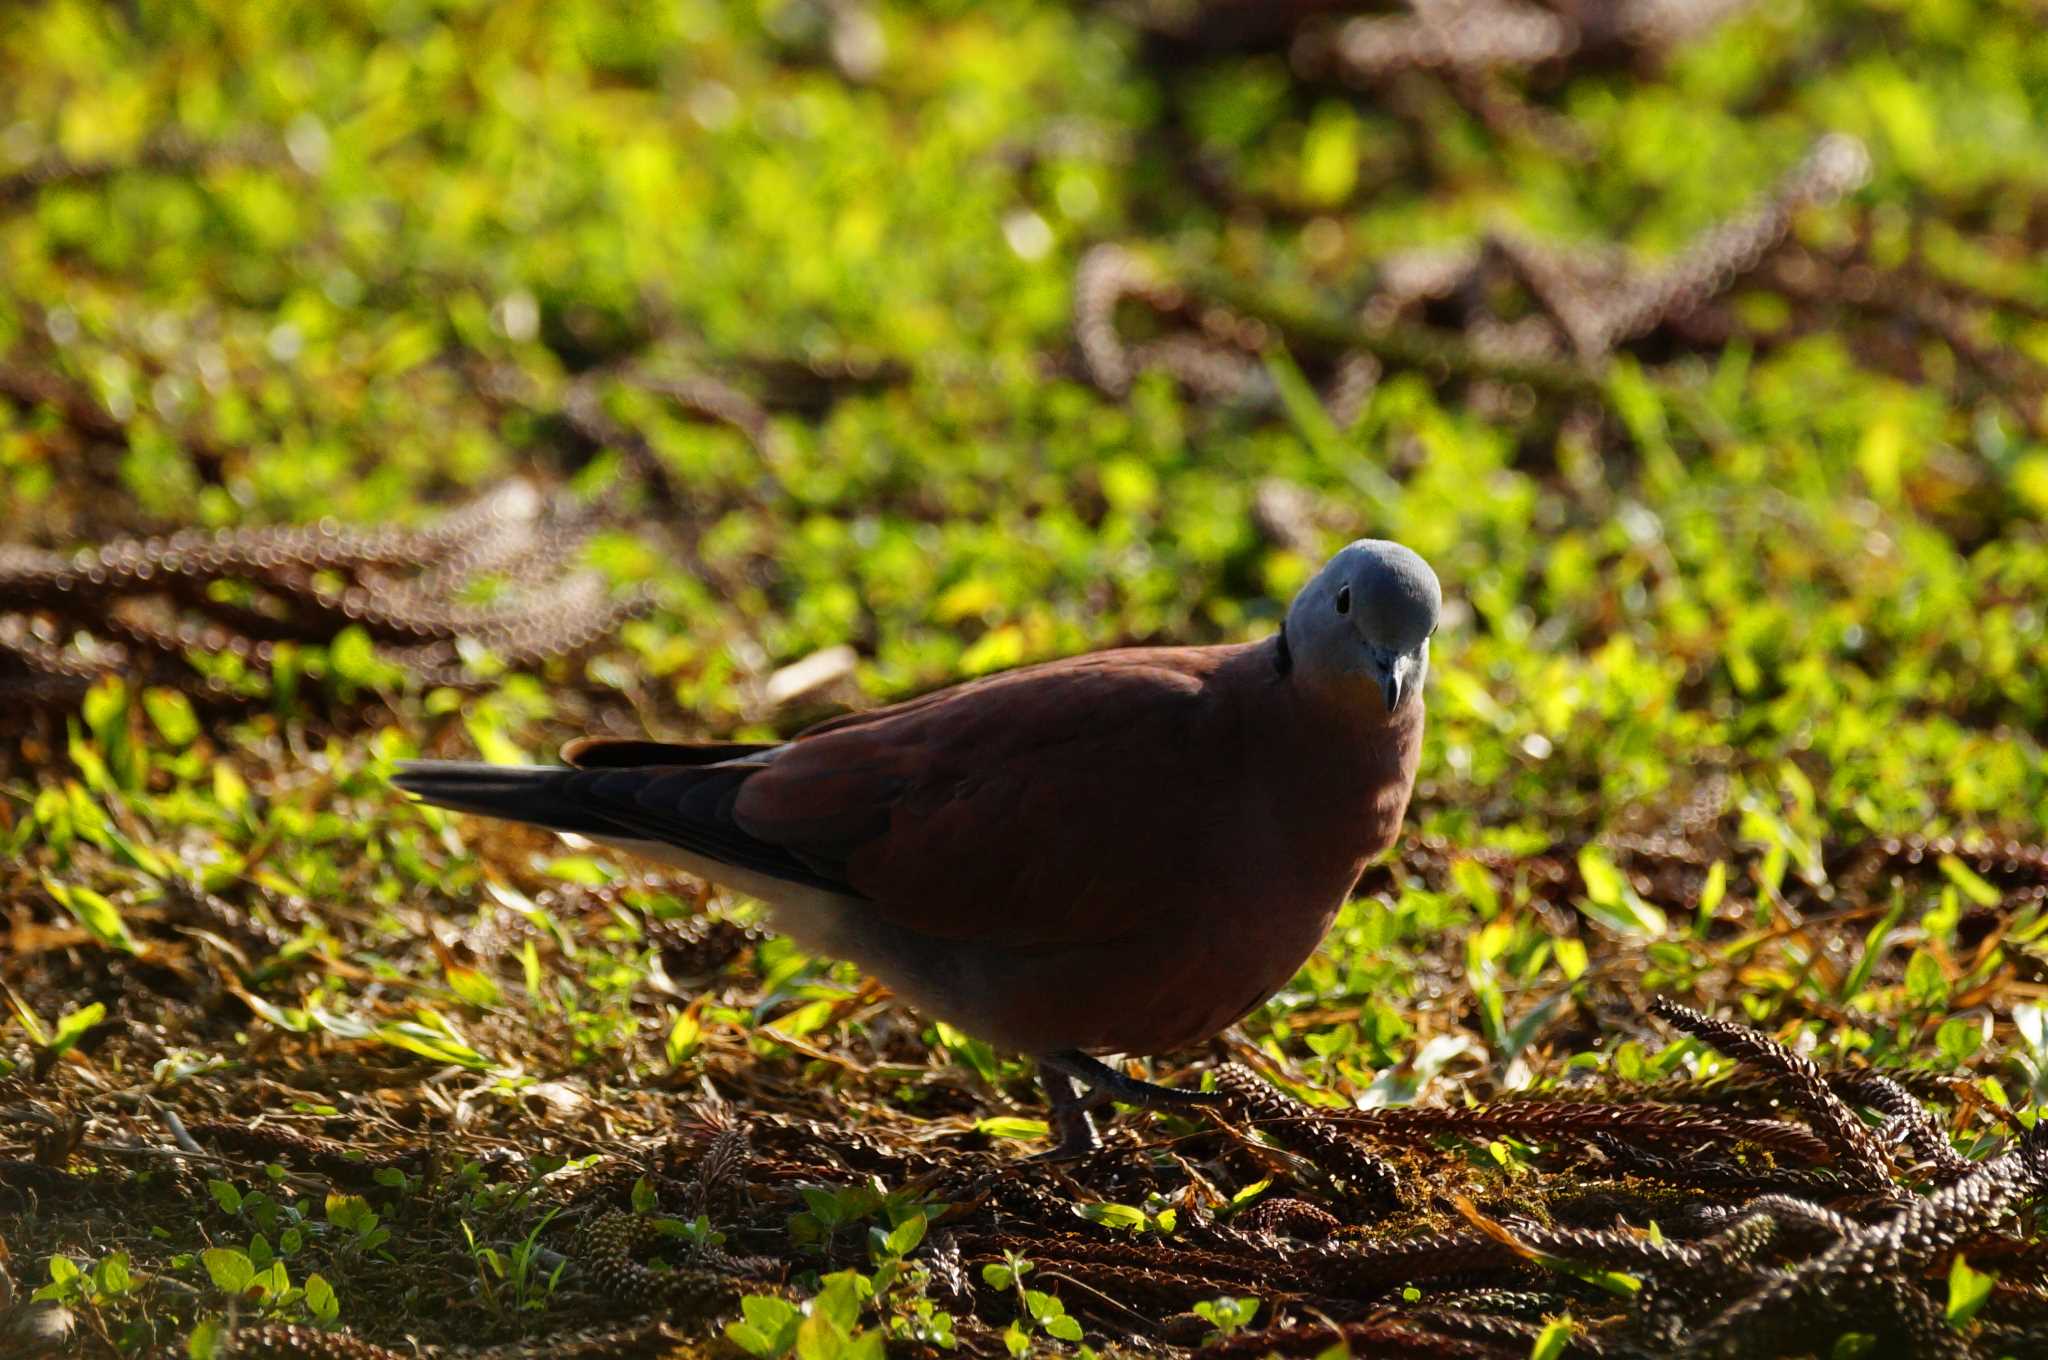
(1344, 599)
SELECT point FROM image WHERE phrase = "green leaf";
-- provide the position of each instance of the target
(1873, 949)
(111, 1276)
(1926, 982)
(231, 1271)
(289, 1018)
(1611, 901)
(172, 714)
(354, 660)
(769, 1328)
(684, 1037)
(1570, 953)
(865, 1346)
(1009, 1126)
(1959, 1039)
(205, 1341)
(1617, 1282)
(841, 1298)
(351, 1213)
(431, 1043)
(72, 1026)
(769, 1313)
(1113, 1215)
(492, 744)
(805, 1019)
(818, 1337)
(752, 1340)
(30, 1022)
(100, 918)
(476, 988)
(580, 869)
(226, 1196)
(1553, 1339)
(1252, 1191)
(1973, 887)
(1967, 1291)
(1712, 892)
(106, 711)
(1228, 1314)
(903, 1239)
(1063, 1327)
(1330, 152)
(320, 1299)
(229, 790)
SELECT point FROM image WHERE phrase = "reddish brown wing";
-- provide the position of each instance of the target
(1053, 805)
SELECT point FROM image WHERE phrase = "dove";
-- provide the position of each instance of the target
(1119, 853)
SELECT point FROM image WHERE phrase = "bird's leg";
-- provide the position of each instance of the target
(1106, 1083)
(1070, 1117)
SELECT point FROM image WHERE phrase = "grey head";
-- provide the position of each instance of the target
(1366, 619)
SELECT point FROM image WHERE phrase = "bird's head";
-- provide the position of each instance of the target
(1367, 618)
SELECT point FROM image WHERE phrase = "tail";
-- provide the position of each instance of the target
(535, 794)
(684, 801)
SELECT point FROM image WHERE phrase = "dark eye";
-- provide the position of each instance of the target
(1344, 599)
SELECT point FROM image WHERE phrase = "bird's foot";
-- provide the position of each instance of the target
(1070, 1118)
(1075, 1084)
(1077, 1137)
(1105, 1083)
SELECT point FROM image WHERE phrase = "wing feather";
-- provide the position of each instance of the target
(1046, 806)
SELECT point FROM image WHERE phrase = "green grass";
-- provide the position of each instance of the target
(1775, 577)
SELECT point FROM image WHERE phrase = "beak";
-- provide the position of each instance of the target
(1397, 681)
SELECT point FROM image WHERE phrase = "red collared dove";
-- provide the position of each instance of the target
(1123, 852)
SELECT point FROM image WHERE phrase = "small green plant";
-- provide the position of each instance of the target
(901, 1285)
(826, 1328)
(52, 1042)
(767, 1326)
(1036, 1307)
(829, 1324)
(1156, 1215)
(827, 1211)
(100, 1284)
(1227, 1315)
(258, 1279)
(353, 1216)
(513, 1281)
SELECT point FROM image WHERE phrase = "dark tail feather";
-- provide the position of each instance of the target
(689, 807)
(535, 794)
(618, 753)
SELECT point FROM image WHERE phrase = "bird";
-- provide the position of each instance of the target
(1118, 853)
